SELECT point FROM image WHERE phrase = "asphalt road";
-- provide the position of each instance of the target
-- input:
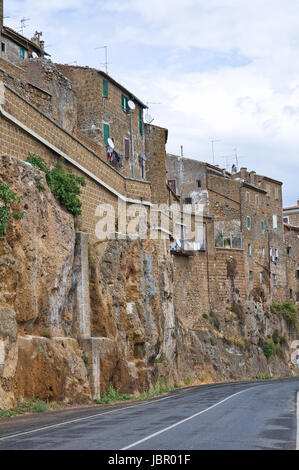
(253, 415)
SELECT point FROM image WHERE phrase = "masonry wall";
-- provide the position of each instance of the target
(95, 110)
(16, 141)
(155, 141)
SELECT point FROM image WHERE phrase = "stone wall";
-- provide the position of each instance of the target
(94, 110)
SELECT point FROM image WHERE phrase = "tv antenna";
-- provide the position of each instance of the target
(106, 63)
(23, 22)
(149, 119)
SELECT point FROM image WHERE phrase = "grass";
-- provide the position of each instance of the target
(47, 334)
(30, 406)
(113, 396)
(263, 377)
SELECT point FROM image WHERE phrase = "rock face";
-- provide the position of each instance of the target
(36, 259)
(75, 319)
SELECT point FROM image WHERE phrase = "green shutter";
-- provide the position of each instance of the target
(105, 88)
(106, 133)
(141, 121)
(248, 222)
(124, 104)
(263, 226)
(22, 53)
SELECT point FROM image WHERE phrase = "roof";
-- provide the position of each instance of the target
(22, 40)
(291, 208)
(254, 188)
(110, 79)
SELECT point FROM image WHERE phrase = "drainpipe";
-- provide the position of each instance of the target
(208, 269)
(132, 144)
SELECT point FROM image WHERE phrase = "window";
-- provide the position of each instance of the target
(172, 184)
(291, 293)
(274, 279)
(105, 88)
(286, 220)
(247, 196)
(262, 226)
(289, 251)
(250, 275)
(276, 253)
(198, 182)
(257, 199)
(188, 200)
(249, 250)
(297, 273)
(22, 52)
(127, 148)
(276, 193)
(106, 133)
(140, 121)
(3, 47)
(248, 222)
(261, 278)
(268, 189)
(263, 252)
(271, 252)
(124, 104)
(274, 221)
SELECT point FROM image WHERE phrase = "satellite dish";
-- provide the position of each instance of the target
(148, 118)
(110, 143)
(131, 105)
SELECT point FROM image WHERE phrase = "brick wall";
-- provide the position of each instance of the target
(17, 142)
(95, 110)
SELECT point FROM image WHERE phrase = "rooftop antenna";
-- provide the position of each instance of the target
(213, 152)
(149, 119)
(106, 63)
(236, 157)
(23, 22)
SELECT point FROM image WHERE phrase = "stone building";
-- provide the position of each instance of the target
(291, 215)
(104, 112)
(15, 46)
(246, 209)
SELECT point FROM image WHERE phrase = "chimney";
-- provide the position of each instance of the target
(243, 173)
(252, 177)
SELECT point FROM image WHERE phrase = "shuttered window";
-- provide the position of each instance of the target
(124, 103)
(248, 222)
(22, 53)
(140, 121)
(262, 226)
(106, 133)
(127, 148)
(105, 88)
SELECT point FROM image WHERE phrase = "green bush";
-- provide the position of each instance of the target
(286, 310)
(271, 349)
(7, 196)
(66, 187)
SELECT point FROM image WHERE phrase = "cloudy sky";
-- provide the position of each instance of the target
(223, 70)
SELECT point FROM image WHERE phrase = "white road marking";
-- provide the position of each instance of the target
(77, 420)
(184, 420)
(297, 444)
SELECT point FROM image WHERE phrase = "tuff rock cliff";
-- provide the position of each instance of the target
(131, 332)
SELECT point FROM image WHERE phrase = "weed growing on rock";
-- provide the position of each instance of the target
(7, 196)
(65, 186)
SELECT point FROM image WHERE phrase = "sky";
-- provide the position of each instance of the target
(214, 70)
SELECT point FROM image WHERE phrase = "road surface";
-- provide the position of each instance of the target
(254, 415)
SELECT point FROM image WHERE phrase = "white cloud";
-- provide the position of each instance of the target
(253, 105)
